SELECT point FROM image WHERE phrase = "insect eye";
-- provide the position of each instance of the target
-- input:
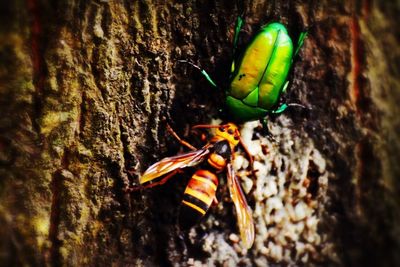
(230, 131)
(222, 129)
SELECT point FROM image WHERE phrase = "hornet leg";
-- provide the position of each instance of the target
(183, 142)
(215, 201)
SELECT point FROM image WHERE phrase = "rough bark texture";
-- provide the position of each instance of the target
(84, 86)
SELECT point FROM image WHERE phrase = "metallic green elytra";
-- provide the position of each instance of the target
(259, 76)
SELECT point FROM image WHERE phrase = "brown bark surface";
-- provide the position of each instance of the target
(84, 88)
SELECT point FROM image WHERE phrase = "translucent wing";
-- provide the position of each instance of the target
(169, 164)
(243, 211)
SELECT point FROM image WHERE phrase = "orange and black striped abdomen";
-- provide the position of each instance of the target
(197, 198)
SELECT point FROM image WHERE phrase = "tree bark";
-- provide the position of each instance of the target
(85, 87)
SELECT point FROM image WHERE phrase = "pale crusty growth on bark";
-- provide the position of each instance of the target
(85, 87)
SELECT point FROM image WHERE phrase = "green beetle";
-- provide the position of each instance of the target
(259, 76)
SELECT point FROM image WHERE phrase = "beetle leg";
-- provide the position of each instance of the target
(296, 105)
(202, 71)
(285, 87)
(238, 27)
(300, 42)
(183, 142)
(280, 109)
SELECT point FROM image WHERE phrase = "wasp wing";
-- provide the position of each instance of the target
(243, 211)
(169, 164)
